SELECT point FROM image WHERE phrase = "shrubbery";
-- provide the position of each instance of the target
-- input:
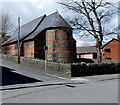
(94, 69)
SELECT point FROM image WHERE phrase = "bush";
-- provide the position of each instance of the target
(94, 69)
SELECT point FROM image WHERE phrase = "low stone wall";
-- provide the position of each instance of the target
(94, 69)
(108, 61)
(60, 68)
(73, 69)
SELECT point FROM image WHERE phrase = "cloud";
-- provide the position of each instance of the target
(37, 3)
(28, 10)
(14, 1)
(21, 9)
(31, 9)
(43, 3)
(83, 41)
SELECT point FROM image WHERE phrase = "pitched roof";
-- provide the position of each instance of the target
(110, 42)
(86, 49)
(51, 21)
(31, 29)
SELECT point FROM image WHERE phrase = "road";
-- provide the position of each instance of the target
(53, 88)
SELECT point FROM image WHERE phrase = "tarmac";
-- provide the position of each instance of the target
(55, 88)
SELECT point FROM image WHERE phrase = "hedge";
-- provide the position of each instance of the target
(94, 69)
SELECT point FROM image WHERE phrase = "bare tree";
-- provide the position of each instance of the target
(6, 24)
(91, 14)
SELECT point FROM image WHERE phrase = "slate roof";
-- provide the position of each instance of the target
(31, 29)
(86, 50)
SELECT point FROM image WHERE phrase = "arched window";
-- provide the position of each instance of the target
(56, 35)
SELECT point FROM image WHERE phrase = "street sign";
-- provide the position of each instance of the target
(45, 47)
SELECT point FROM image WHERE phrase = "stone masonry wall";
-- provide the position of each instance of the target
(10, 49)
(29, 49)
(70, 69)
(64, 69)
(60, 46)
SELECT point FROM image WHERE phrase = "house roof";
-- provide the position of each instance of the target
(111, 41)
(86, 49)
(31, 29)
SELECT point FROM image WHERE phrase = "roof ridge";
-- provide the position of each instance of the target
(110, 41)
(32, 20)
(35, 27)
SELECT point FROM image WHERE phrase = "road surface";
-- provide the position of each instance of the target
(53, 88)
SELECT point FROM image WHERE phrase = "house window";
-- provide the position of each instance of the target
(56, 35)
(107, 58)
(107, 50)
(94, 55)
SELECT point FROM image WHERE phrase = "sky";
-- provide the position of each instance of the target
(28, 10)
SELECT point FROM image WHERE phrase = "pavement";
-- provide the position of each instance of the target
(55, 88)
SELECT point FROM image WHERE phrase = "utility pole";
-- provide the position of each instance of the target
(18, 40)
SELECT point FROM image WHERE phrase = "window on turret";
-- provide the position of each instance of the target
(56, 35)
